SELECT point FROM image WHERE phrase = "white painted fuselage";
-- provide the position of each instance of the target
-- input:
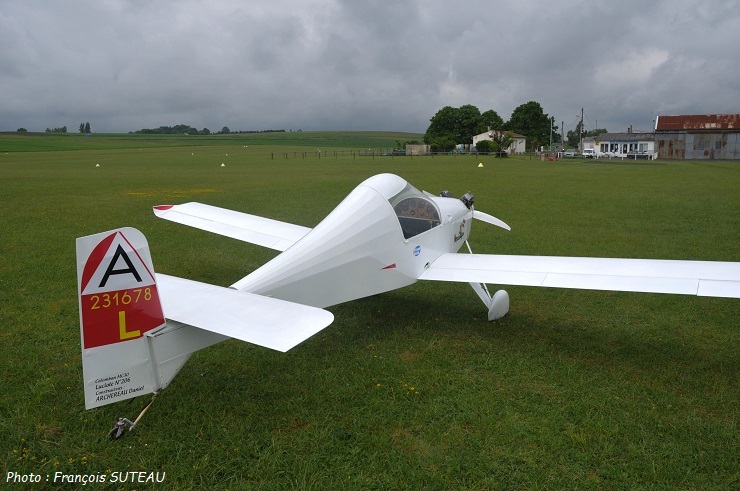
(381, 237)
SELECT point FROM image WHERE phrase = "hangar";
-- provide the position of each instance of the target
(698, 137)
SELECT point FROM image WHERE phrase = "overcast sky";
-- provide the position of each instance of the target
(361, 65)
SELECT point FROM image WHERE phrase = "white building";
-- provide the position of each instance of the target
(418, 149)
(625, 145)
(519, 145)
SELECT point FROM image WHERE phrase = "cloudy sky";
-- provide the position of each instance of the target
(124, 65)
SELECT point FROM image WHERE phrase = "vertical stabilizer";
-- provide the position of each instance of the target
(119, 303)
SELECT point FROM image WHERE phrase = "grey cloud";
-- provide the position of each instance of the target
(324, 64)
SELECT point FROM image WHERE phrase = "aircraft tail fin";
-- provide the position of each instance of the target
(119, 304)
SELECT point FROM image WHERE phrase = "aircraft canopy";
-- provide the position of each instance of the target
(416, 213)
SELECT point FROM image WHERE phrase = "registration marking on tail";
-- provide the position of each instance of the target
(119, 300)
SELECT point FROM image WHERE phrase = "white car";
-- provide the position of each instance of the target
(588, 153)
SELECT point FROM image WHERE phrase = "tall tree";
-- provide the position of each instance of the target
(442, 124)
(87, 127)
(492, 120)
(529, 120)
(468, 124)
(460, 125)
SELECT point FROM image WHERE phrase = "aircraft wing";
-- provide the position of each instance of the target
(703, 278)
(242, 226)
(259, 320)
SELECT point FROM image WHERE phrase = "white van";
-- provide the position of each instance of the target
(588, 153)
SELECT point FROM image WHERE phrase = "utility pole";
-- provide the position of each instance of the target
(580, 134)
(562, 134)
(551, 121)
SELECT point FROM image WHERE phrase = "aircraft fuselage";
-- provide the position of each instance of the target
(381, 237)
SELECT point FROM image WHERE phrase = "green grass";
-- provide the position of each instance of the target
(313, 140)
(410, 389)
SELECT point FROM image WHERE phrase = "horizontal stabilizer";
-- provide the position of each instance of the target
(241, 226)
(703, 278)
(264, 321)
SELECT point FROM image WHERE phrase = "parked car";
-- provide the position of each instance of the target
(569, 154)
(588, 153)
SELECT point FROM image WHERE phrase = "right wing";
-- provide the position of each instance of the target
(242, 226)
(702, 278)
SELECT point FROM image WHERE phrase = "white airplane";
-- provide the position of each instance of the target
(139, 328)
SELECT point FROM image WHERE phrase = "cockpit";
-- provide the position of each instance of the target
(416, 212)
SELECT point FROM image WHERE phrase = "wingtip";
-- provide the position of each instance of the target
(161, 209)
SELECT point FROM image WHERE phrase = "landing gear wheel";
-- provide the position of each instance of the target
(499, 305)
(118, 431)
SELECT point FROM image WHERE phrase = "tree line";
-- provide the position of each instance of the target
(179, 129)
(453, 126)
(185, 129)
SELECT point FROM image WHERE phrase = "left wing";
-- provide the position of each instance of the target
(241, 226)
(703, 278)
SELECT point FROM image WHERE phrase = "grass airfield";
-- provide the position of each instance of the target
(413, 388)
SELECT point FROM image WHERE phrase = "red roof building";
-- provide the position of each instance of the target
(698, 137)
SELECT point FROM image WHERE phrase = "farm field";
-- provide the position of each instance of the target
(405, 390)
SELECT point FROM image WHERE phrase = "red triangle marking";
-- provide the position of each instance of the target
(95, 258)
(390, 266)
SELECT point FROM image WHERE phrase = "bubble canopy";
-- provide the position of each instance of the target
(416, 213)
